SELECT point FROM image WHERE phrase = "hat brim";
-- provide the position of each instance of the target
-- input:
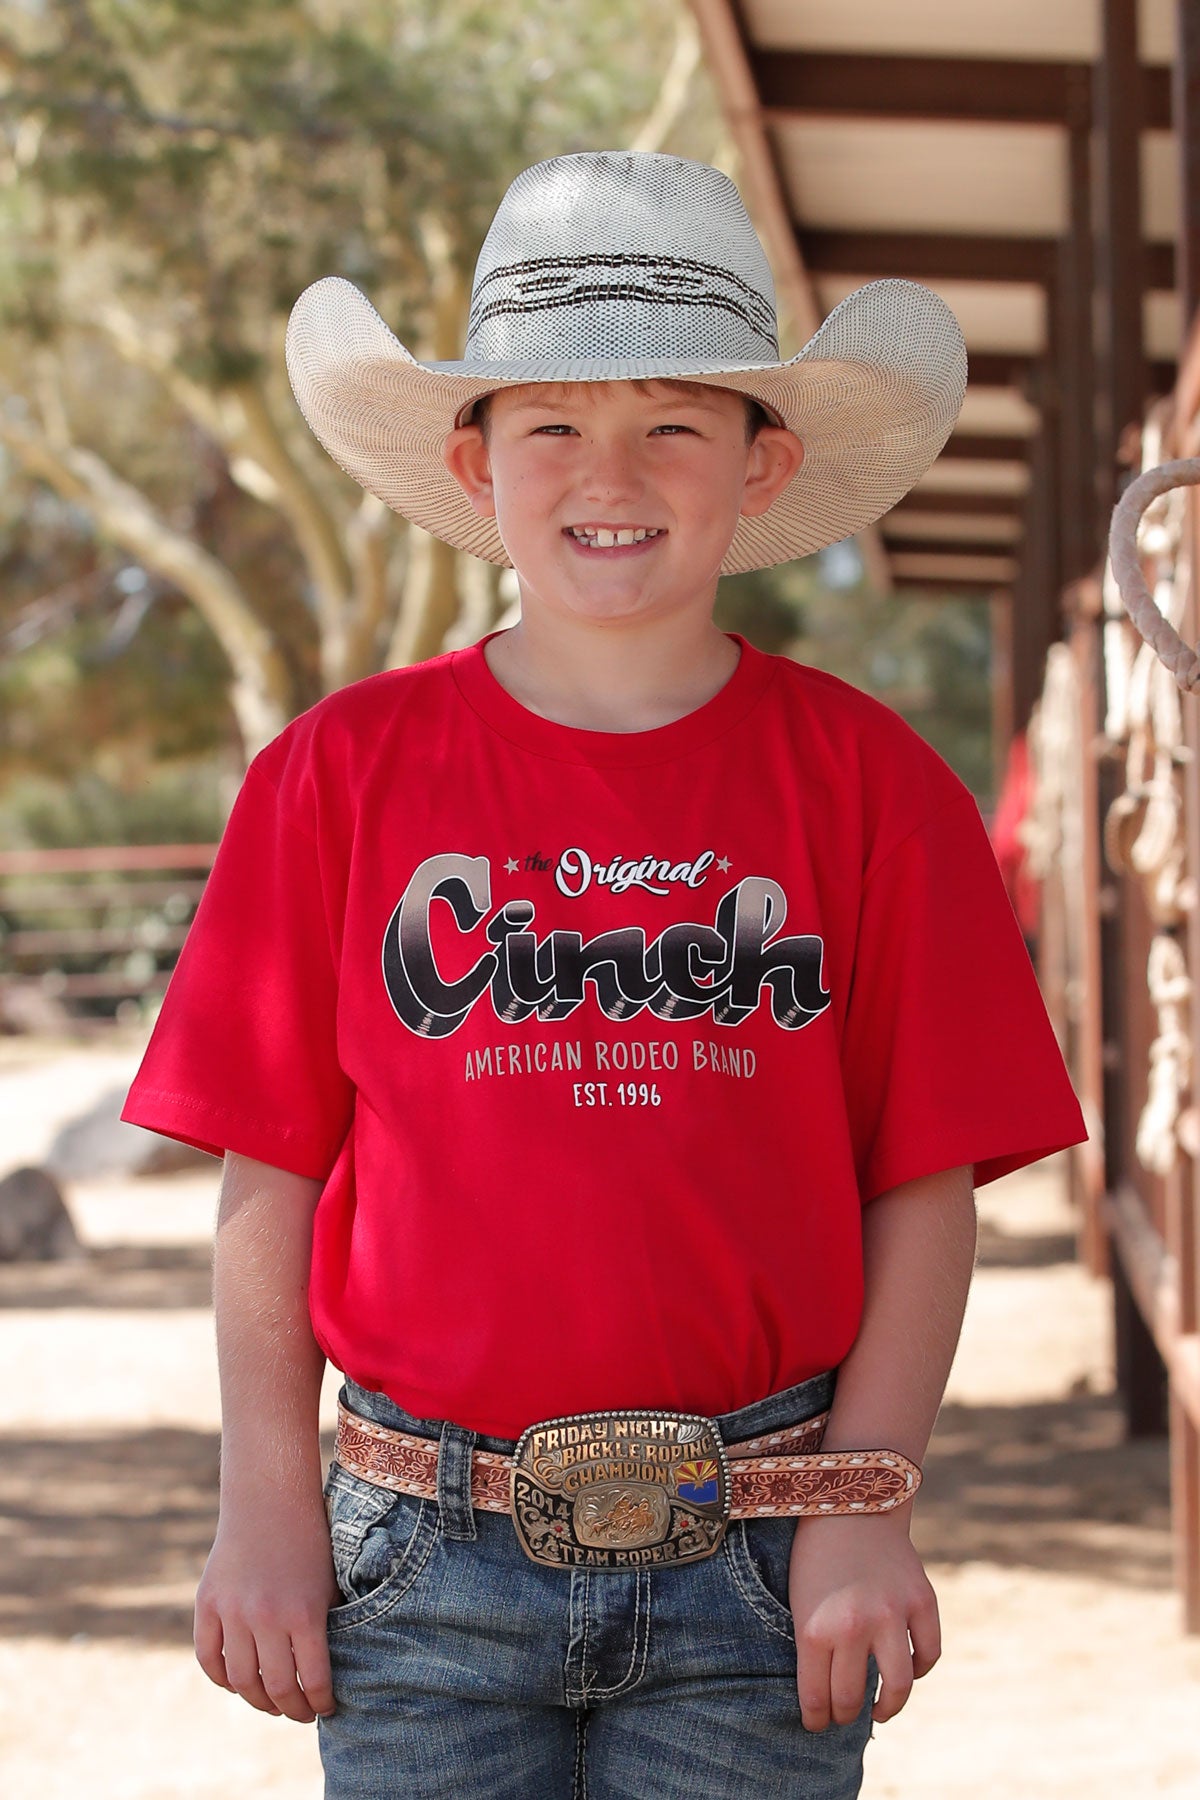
(873, 396)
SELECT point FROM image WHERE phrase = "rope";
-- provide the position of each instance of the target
(1162, 637)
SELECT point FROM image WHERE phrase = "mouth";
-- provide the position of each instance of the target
(613, 537)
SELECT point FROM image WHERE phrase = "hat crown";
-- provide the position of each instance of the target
(622, 253)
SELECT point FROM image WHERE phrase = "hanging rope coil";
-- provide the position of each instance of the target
(1158, 632)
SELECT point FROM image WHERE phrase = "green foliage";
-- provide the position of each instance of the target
(189, 166)
(929, 660)
(185, 802)
(217, 158)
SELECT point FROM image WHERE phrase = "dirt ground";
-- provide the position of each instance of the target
(1064, 1674)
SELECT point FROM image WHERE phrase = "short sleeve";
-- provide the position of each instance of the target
(948, 1053)
(243, 1055)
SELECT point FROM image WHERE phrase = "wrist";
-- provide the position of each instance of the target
(272, 1486)
(894, 1525)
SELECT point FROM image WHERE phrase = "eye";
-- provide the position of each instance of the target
(686, 428)
(538, 429)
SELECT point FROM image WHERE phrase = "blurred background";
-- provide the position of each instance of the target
(183, 570)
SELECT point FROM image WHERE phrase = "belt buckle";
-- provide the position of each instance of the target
(620, 1490)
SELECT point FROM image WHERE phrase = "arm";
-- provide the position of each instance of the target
(856, 1583)
(268, 1582)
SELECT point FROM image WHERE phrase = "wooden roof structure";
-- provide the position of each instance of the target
(996, 152)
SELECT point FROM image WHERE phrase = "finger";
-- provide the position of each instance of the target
(242, 1666)
(208, 1638)
(847, 1682)
(894, 1658)
(311, 1651)
(812, 1683)
(277, 1669)
(925, 1629)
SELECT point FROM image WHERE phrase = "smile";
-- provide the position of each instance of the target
(611, 537)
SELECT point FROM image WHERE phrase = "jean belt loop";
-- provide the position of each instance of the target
(454, 1481)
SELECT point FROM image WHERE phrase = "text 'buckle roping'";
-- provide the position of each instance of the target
(617, 1490)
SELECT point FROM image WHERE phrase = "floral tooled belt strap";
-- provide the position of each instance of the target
(621, 1490)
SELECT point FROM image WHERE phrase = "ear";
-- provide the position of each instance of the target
(775, 457)
(466, 456)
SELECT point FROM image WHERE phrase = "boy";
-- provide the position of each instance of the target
(607, 1020)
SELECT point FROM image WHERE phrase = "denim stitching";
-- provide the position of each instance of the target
(583, 1655)
(579, 1785)
(575, 1687)
(629, 1679)
(749, 1596)
(391, 1597)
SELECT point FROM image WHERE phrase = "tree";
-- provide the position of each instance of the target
(175, 172)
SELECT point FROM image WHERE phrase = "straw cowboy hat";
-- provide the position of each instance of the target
(612, 265)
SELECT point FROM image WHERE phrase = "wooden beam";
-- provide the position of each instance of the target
(953, 256)
(1158, 267)
(1000, 613)
(993, 90)
(1186, 111)
(1154, 1279)
(997, 368)
(937, 589)
(1082, 531)
(997, 506)
(1011, 368)
(943, 546)
(1121, 364)
(724, 41)
(980, 448)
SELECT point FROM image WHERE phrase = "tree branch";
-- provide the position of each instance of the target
(369, 541)
(240, 420)
(301, 505)
(672, 94)
(261, 688)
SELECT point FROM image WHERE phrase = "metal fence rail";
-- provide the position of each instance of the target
(90, 934)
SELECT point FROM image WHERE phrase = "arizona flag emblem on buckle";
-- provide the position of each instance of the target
(610, 1490)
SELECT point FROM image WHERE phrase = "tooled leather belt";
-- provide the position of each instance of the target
(619, 1490)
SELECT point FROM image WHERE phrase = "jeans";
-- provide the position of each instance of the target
(461, 1668)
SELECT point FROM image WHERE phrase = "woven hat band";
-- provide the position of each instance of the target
(619, 306)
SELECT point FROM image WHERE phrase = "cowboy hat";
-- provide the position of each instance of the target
(615, 265)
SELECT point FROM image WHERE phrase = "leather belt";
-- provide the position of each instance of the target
(619, 1490)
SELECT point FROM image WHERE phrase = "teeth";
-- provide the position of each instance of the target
(601, 539)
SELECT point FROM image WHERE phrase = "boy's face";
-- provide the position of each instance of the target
(566, 467)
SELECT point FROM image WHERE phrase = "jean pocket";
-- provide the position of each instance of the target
(758, 1555)
(380, 1541)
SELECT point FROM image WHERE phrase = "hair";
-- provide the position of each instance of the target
(757, 415)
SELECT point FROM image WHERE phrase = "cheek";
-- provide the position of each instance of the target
(523, 504)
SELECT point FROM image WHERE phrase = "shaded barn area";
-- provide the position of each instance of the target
(1039, 167)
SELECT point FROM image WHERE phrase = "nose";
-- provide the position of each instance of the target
(612, 470)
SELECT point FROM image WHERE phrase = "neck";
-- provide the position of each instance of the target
(612, 677)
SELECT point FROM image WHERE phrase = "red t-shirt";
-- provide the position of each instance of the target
(599, 1041)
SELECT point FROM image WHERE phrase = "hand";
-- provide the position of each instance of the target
(261, 1606)
(856, 1585)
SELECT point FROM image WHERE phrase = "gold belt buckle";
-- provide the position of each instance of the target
(620, 1490)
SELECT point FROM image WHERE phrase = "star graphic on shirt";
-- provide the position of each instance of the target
(724, 865)
(511, 866)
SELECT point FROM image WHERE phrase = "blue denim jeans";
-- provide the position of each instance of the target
(461, 1668)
